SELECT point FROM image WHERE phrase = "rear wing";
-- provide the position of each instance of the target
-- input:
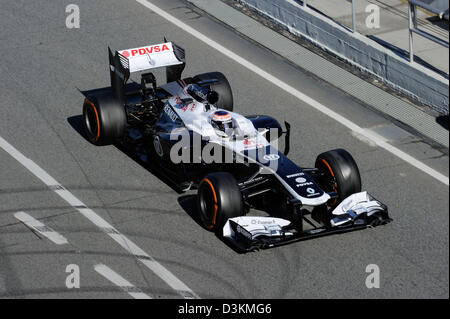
(125, 62)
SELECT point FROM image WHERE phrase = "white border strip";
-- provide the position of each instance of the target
(40, 228)
(121, 239)
(118, 280)
(301, 96)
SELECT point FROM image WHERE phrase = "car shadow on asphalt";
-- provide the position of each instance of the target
(188, 202)
(189, 205)
(76, 122)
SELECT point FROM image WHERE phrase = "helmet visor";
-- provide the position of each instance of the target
(226, 127)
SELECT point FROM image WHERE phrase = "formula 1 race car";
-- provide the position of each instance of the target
(187, 129)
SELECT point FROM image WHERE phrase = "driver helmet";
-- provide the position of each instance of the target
(222, 123)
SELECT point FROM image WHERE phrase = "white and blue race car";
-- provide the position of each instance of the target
(187, 129)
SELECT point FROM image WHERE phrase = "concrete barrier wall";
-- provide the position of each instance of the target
(414, 80)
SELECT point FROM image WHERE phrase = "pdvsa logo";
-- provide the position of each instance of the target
(147, 50)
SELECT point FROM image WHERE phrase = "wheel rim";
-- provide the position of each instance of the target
(328, 182)
(91, 121)
(208, 204)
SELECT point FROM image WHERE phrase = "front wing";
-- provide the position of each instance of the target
(251, 233)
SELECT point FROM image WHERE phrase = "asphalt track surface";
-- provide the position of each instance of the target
(44, 66)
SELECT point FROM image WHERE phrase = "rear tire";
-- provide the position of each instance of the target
(104, 119)
(222, 87)
(341, 174)
(219, 199)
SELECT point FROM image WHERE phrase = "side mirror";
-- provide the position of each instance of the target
(287, 138)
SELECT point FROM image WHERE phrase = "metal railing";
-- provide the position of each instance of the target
(438, 7)
(305, 4)
(412, 17)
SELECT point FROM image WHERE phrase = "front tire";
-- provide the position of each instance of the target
(340, 174)
(219, 199)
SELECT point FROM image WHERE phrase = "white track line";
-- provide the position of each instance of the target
(40, 228)
(118, 280)
(286, 87)
(121, 239)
